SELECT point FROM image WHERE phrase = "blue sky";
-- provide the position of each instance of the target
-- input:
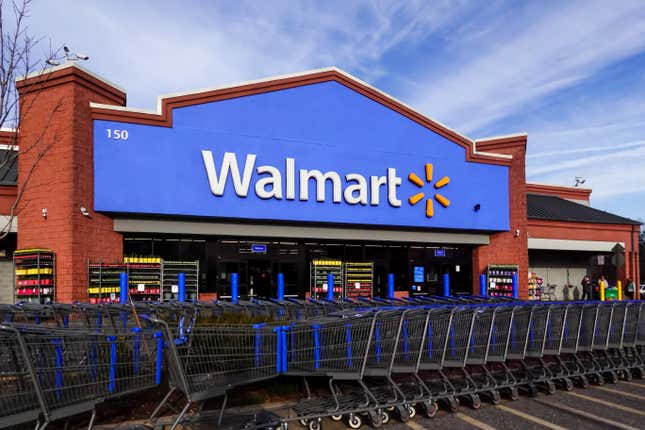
(571, 74)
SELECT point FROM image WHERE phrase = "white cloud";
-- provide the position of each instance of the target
(550, 52)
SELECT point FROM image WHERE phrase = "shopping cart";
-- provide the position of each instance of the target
(49, 374)
(444, 353)
(629, 352)
(495, 368)
(586, 341)
(212, 359)
(600, 343)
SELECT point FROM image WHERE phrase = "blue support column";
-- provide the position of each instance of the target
(390, 285)
(280, 286)
(446, 285)
(483, 290)
(330, 286)
(123, 288)
(516, 288)
(234, 288)
(181, 287)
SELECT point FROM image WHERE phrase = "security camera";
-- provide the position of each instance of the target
(66, 49)
(82, 57)
(52, 62)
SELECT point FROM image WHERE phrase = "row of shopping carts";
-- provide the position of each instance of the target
(378, 359)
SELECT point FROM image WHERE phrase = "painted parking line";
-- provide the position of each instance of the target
(622, 393)
(606, 403)
(531, 418)
(632, 383)
(584, 414)
(473, 422)
(415, 426)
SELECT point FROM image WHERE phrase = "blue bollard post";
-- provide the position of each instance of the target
(483, 291)
(234, 289)
(516, 289)
(390, 285)
(330, 286)
(181, 287)
(446, 285)
(280, 286)
(123, 288)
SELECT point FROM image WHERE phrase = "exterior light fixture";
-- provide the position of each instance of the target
(84, 211)
(43, 212)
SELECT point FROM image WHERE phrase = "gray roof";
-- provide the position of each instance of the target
(552, 208)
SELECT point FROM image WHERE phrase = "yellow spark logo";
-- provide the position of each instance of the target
(412, 177)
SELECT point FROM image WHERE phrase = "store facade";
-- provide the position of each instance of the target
(274, 176)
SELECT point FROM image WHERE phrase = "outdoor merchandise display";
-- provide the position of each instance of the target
(149, 279)
(359, 279)
(535, 286)
(500, 279)
(35, 275)
(318, 277)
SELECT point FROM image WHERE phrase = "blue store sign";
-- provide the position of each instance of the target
(314, 153)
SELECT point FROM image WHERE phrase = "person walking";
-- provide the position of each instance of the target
(630, 289)
(586, 288)
(602, 286)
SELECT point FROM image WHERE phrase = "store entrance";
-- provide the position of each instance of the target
(260, 275)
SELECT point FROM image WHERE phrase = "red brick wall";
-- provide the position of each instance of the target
(505, 247)
(7, 198)
(62, 181)
(627, 234)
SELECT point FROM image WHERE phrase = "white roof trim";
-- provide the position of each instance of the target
(65, 66)
(544, 184)
(4, 146)
(503, 136)
(573, 245)
(293, 75)
(8, 129)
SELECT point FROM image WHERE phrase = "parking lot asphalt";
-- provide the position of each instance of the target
(610, 406)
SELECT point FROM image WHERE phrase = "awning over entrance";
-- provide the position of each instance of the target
(573, 245)
(124, 225)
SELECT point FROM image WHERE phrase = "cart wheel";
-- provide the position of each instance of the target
(453, 404)
(583, 381)
(403, 414)
(412, 410)
(336, 417)
(613, 377)
(304, 422)
(550, 387)
(384, 415)
(637, 372)
(495, 398)
(532, 390)
(429, 409)
(475, 401)
(600, 380)
(514, 393)
(375, 419)
(568, 385)
(354, 421)
(315, 424)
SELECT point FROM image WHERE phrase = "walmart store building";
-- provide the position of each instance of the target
(302, 175)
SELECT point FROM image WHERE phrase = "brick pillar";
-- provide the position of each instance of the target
(506, 247)
(56, 154)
